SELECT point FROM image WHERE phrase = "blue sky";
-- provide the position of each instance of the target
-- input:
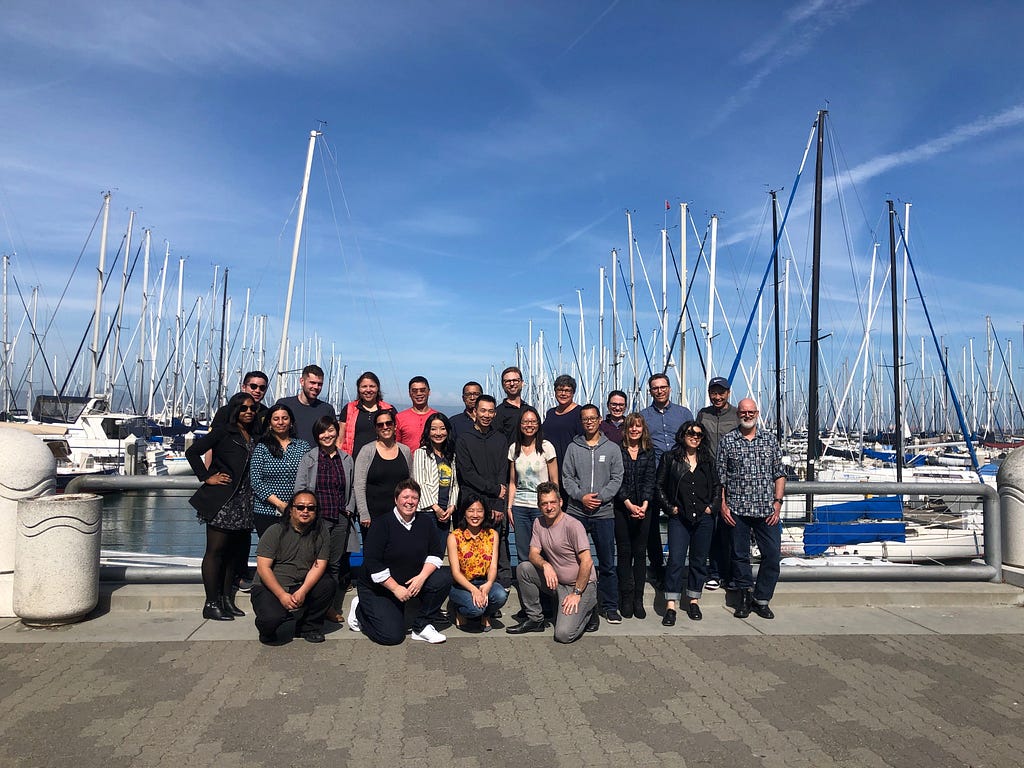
(478, 159)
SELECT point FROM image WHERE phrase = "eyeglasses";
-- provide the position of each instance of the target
(304, 507)
(694, 433)
(529, 423)
(510, 381)
(590, 419)
(383, 424)
(746, 413)
(252, 408)
(662, 388)
(564, 389)
(260, 387)
(616, 405)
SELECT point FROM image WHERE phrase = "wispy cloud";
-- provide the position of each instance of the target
(792, 39)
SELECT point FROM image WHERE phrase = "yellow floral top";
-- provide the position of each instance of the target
(475, 552)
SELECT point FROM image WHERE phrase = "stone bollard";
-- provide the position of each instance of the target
(1010, 482)
(27, 470)
(57, 558)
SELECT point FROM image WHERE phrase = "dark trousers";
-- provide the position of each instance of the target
(270, 614)
(720, 557)
(631, 554)
(693, 540)
(338, 567)
(381, 615)
(504, 555)
(655, 550)
(769, 541)
(263, 522)
(602, 533)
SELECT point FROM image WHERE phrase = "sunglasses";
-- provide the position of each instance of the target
(304, 507)
(694, 433)
(383, 424)
(244, 408)
(260, 387)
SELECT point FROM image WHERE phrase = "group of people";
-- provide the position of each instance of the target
(411, 487)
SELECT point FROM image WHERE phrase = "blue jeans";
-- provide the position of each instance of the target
(522, 519)
(602, 532)
(682, 539)
(463, 601)
(769, 541)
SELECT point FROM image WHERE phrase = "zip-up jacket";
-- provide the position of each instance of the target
(592, 469)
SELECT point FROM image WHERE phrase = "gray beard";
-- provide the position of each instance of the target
(748, 424)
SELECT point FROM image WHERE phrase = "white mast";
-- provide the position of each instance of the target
(99, 297)
(32, 354)
(283, 353)
(155, 336)
(615, 320)
(683, 279)
(601, 362)
(664, 300)
(141, 362)
(120, 306)
(177, 339)
(632, 300)
(709, 360)
(7, 346)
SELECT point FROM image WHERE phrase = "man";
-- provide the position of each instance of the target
(291, 574)
(718, 419)
(562, 423)
(482, 465)
(463, 421)
(753, 483)
(560, 565)
(512, 406)
(409, 423)
(664, 418)
(591, 478)
(307, 407)
(254, 384)
(612, 424)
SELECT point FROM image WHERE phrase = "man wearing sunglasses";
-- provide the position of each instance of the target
(254, 384)
(718, 419)
(753, 482)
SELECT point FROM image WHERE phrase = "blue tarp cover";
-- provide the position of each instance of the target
(855, 522)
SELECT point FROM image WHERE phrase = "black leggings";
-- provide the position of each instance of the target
(224, 549)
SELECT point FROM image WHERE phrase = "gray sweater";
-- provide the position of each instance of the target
(592, 469)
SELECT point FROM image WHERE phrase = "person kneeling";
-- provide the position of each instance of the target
(291, 573)
(560, 564)
(473, 556)
(402, 555)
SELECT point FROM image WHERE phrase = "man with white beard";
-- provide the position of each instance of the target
(753, 483)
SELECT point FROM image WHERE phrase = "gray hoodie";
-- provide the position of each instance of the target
(592, 469)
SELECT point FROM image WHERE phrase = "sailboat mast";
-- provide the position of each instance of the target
(632, 305)
(94, 367)
(683, 278)
(221, 371)
(897, 378)
(708, 360)
(775, 299)
(112, 382)
(601, 361)
(7, 346)
(141, 362)
(812, 384)
(615, 319)
(664, 301)
(283, 353)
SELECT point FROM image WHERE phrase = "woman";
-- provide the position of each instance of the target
(328, 472)
(291, 573)
(275, 462)
(433, 467)
(531, 462)
(380, 465)
(224, 503)
(402, 557)
(687, 485)
(473, 556)
(632, 520)
(357, 419)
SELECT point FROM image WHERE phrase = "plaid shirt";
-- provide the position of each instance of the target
(330, 486)
(748, 470)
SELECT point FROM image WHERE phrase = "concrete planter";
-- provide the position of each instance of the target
(57, 558)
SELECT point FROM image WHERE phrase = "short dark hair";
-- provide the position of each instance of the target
(382, 412)
(324, 423)
(619, 393)
(407, 485)
(543, 489)
(590, 407)
(565, 380)
(314, 369)
(512, 369)
(469, 384)
(486, 399)
(249, 376)
(372, 377)
(656, 376)
(419, 380)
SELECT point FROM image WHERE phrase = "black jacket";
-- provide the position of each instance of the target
(691, 492)
(482, 464)
(638, 477)
(231, 454)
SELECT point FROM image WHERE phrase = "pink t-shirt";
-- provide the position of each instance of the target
(409, 427)
(559, 543)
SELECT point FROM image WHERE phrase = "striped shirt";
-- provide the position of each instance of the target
(748, 470)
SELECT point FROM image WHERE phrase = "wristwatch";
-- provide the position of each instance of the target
(577, 591)
(778, 500)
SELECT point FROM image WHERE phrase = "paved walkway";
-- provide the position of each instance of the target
(822, 685)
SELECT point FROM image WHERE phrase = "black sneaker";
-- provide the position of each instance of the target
(612, 616)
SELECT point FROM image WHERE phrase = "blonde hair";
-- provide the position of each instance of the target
(645, 436)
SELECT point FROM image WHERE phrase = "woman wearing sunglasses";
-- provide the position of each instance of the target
(380, 466)
(687, 484)
(224, 503)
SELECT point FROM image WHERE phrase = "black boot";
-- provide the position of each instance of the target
(743, 607)
(212, 610)
(626, 601)
(638, 605)
(227, 606)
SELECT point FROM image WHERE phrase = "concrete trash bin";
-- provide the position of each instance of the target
(57, 558)
(1010, 482)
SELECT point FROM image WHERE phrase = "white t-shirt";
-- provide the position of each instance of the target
(531, 471)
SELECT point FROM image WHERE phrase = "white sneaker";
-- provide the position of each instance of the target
(429, 635)
(352, 621)
(712, 584)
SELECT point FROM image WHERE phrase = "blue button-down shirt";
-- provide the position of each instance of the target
(663, 424)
